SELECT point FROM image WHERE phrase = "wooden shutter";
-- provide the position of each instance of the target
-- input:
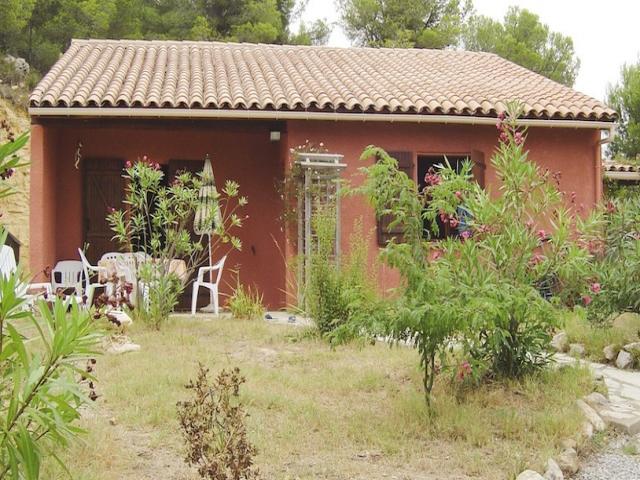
(384, 230)
(479, 167)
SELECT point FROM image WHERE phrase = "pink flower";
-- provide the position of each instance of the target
(595, 287)
(542, 235)
(127, 164)
(529, 224)
(611, 207)
(463, 370)
(145, 158)
(504, 138)
(432, 178)
(502, 116)
(465, 235)
(458, 195)
(111, 210)
(499, 125)
(586, 299)
(518, 138)
(453, 221)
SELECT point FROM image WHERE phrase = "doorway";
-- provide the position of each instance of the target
(103, 189)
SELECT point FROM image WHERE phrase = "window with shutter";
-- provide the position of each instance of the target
(385, 232)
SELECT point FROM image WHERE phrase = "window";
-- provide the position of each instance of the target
(435, 162)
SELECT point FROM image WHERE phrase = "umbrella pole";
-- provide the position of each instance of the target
(209, 308)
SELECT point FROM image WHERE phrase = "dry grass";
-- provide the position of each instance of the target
(316, 413)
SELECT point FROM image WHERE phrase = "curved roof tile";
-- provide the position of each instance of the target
(214, 75)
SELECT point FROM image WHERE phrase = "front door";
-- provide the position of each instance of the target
(103, 189)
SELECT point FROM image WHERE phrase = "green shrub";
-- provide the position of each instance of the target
(338, 289)
(618, 261)
(246, 303)
(482, 288)
(157, 221)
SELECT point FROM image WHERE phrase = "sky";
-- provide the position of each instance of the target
(606, 34)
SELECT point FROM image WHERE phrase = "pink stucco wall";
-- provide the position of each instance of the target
(242, 151)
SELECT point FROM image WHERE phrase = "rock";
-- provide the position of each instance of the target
(598, 376)
(120, 316)
(553, 471)
(597, 401)
(632, 347)
(568, 461)
(610, 352)
(628, 323)
(112, 421)
(576, 350)
(587, 430)
(592, 416)
(529, 475)
(569, 443)
(120, 348)
(624, 360)
(560, 342)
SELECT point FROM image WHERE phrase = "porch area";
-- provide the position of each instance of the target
(76, 176)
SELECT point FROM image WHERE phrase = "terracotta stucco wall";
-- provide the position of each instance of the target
(242, 151)
(573, 152)
(239, 151)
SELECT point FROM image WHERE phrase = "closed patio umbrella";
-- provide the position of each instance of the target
(208, 211)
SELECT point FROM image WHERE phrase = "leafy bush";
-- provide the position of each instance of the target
(481, 289)
(40, 393)
(617, 261)
(246, 303)
(157, 221)
(213, 426)
(337, 290)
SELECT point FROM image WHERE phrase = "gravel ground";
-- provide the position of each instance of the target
(613, 463)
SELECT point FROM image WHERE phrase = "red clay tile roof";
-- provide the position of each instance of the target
(211, 75)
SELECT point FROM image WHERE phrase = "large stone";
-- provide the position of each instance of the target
(592, 416)
(529, 475)
(633, 348)
(610, 352)
(587, 430)
(560, 342)
(553, 471)
(576, 350)
(624, 360)
(568, 461)
(597, 401)
(120, 348)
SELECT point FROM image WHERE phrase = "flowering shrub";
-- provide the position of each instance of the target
(617, 254)
(157, 221)
(486, 288)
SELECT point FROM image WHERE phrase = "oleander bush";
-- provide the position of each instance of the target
(485, 301)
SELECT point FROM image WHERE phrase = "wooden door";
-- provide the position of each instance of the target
(103, 189)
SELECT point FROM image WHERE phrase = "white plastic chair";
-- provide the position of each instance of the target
(212, 287)
(9, 266)
(90, 271)
(111, 256)
(67, 274)
(128, 264)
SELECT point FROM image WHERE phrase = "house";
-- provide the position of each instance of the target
(108, 101)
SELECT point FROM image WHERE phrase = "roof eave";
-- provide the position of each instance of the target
(173, 113)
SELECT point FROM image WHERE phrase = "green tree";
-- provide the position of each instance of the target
(525, 40)
(625, 98)
(40, 30)
(404, 23)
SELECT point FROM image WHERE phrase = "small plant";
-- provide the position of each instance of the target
(338, 289)
(246, 303)
(157, 221)
(213, 426)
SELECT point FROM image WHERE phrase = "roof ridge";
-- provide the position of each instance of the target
(417, 51)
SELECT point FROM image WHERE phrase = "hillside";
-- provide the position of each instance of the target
(15, 209)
